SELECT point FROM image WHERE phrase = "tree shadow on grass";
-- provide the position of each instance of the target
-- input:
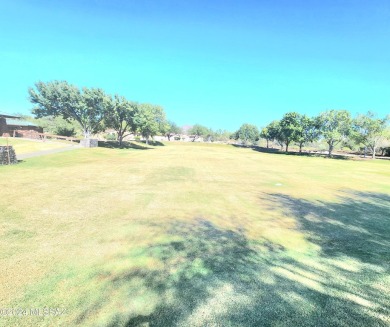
(353, 234)
(293, 153)
(357, 225)
(125, 145)
(301, 154)
(260, 149)
(154, 143)
(210, 276)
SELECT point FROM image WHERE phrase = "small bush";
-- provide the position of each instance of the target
(65, 131)
(387, 152)
(110, 137)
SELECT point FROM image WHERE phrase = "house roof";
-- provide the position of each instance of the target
(4, 115)
(18, 122)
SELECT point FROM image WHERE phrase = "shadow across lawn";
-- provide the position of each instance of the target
(357, 225)
(154, 143)
(211, 276)
(295, 153)
(303, 153)
(125, 145)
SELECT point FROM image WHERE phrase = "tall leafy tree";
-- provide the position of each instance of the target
(370, 131)
(172, 129)
(150, 120)
(221, 135)
(264, 134)
(307, 132)
(199, 131)
(385, 144)
(335, 127)
(88, 106)
(289, 128)
(121, 117)
(210, 135)
(274, 132)
(248, 134)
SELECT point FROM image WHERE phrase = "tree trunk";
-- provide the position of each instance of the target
(147, 139)
(169, 137)
(87, 134)
(267, 144)
(120, 138)
(300, 147)
(330, 150)
(287, 143)
(373, 152)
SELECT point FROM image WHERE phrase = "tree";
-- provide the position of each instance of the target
(370, 131)
(150, 120)
(274, 133)
(247, 134)
(172, 129)
(59, 98)
(198, 131)
(264, 134)
(385, 144)
(221, 135)
(335, 127)
(210, 135)
(121, 117)
(308, 131)
(289, 128)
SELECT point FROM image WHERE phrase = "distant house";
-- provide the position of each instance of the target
(12, 125)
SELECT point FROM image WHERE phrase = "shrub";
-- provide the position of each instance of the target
(65, 131)
(110, 137)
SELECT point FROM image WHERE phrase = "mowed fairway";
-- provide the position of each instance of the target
(195, 235)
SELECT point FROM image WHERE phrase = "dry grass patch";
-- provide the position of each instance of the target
(195, 234)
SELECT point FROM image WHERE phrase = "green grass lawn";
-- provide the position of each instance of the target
(27, 146)
(195, 235)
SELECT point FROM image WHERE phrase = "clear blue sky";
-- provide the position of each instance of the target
(219, 63)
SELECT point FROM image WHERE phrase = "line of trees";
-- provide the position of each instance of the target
(333, 126)
(95, 110)
(208, 134)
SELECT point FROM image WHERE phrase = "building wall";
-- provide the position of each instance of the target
(3, 126)
(13, 128)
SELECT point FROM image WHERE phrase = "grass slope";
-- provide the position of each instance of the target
(195, 235)
(23, 146)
